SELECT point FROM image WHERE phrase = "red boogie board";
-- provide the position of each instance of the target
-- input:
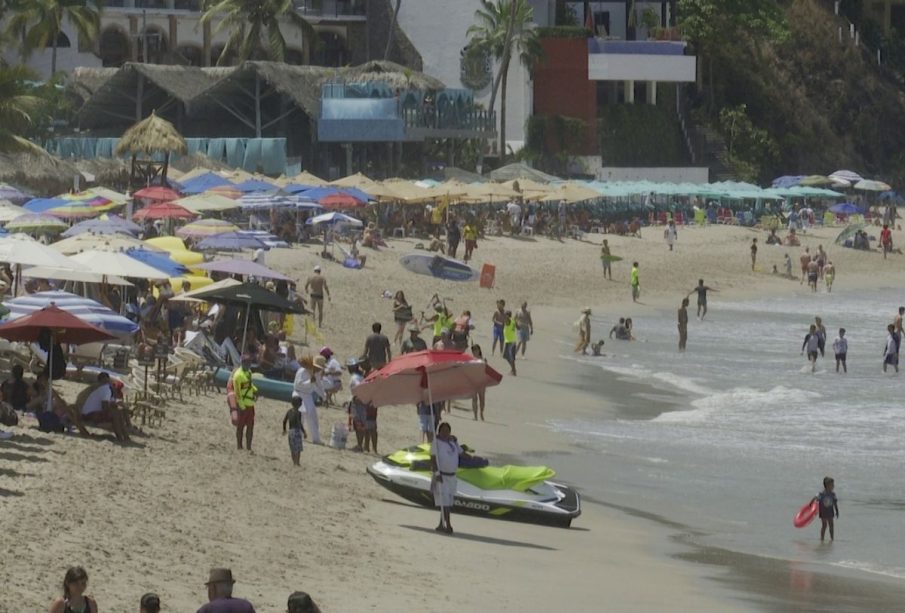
(806, 514)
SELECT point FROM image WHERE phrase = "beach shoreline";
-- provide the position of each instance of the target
(155, 516)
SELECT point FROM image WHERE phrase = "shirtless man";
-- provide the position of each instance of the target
(702, 290)
(821, 260)
(524, 327)
(317, 285)
(813, 273)
(897, 322)
(805, 259)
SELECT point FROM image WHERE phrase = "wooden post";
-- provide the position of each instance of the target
(139, 96)
(257, 105)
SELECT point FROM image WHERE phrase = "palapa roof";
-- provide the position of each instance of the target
(301, 84)
(42, 173)
(151, 135)
(391, 73)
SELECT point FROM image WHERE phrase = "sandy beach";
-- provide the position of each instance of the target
(155, 515)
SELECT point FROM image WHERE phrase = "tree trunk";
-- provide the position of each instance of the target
(501, 76)
(505, 70)
(393, 25)
(53, 56)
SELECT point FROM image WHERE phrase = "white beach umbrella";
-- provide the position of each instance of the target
(62, 274)
(846, 175)
(23, 250)
(100, 242)
(117, 263)
(872, 186)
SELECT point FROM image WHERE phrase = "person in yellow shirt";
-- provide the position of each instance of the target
(245, 395)
(470, 236)
(510, 338)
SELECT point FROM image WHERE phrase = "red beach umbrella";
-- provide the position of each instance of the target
(427, 376)
(341, 201)
(158, 193)
(164, 210)
(64, 327)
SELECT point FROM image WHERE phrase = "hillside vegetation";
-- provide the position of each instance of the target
(788, 97)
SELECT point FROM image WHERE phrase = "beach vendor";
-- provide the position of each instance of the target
(245, 395)
(445, 453)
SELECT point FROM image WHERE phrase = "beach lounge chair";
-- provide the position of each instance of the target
(679, 218)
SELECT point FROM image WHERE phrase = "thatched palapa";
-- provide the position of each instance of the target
(150, 137)
(394, 75)
(40, 173)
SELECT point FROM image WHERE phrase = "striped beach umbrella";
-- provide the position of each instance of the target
(206, 227)
(85, 309)
(261, 200)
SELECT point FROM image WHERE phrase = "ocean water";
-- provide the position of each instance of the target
(734, 436)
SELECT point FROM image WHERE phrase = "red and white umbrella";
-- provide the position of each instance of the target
(427, 376)
(157, 193)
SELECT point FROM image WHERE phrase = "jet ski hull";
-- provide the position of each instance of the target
(554, 504)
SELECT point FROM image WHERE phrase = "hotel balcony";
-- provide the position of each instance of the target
(637, 60)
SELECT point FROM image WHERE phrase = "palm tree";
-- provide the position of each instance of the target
(254, 27)
(18, 108)
(38, 23)
(504, 29)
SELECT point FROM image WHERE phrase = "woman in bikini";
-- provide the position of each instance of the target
(74, 599)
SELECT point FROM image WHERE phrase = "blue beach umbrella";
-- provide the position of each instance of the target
(845, 208)
(294, 188)
(85, 309)
(255, 185)
(261, 200)
(787, 181)
(39, 205)
(202, 183)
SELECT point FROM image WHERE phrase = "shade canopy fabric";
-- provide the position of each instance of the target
(206, 203)
(247, 294)
(845, 208)
(206, 227)
(260, 200)
(872, 186)
(427, 376)
(161, 261)
(63, 274)
(101, 242)
(15, 195)
(117, 263)
(203, 183)
(244, 268)
(85, 309)
(36, 222)
(9, 211)
(231, 241)
(164, 210)
(39, 205)
(255, 185)
(193, 295)
(98, 226)
(24, 250)
(335, 219)
(67, 328)
(157, 193)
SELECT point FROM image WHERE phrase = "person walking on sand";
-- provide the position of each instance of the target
(74, 600)
(510, 336)
(402, 315)
(445, 454)
(753, 253)
(470, 234)
(788, 265)
(317, 286)
(829, 273)
(702, 290)
(812, 344)
(246, 393)
(377, 348)
(636, 283)
(891, 351)
(840, 349)
(605, 260)
(671, 234)
(524, 326)
(804, 261)
(477, 401)
(683, 324)
(308, 382)
(584, 331)
(498, 320)
(886, 240)
(828, 506)
(813, 273)
(293, 418)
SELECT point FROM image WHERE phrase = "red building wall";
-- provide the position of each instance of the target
(562, 87)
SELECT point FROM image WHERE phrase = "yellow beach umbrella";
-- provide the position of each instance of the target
(207, 202)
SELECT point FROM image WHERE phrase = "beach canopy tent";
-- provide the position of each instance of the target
(85, 309)
(245, 268)
(116, 263)
(207, 203)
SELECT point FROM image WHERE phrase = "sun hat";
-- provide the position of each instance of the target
(319, 362)
(220, 575)
(586, 310)
(352, 362)
(317, 268)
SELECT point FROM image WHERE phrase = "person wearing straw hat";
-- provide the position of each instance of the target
(220, 594)
(307, 382)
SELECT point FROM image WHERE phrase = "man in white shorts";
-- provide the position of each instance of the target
(445, 452)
